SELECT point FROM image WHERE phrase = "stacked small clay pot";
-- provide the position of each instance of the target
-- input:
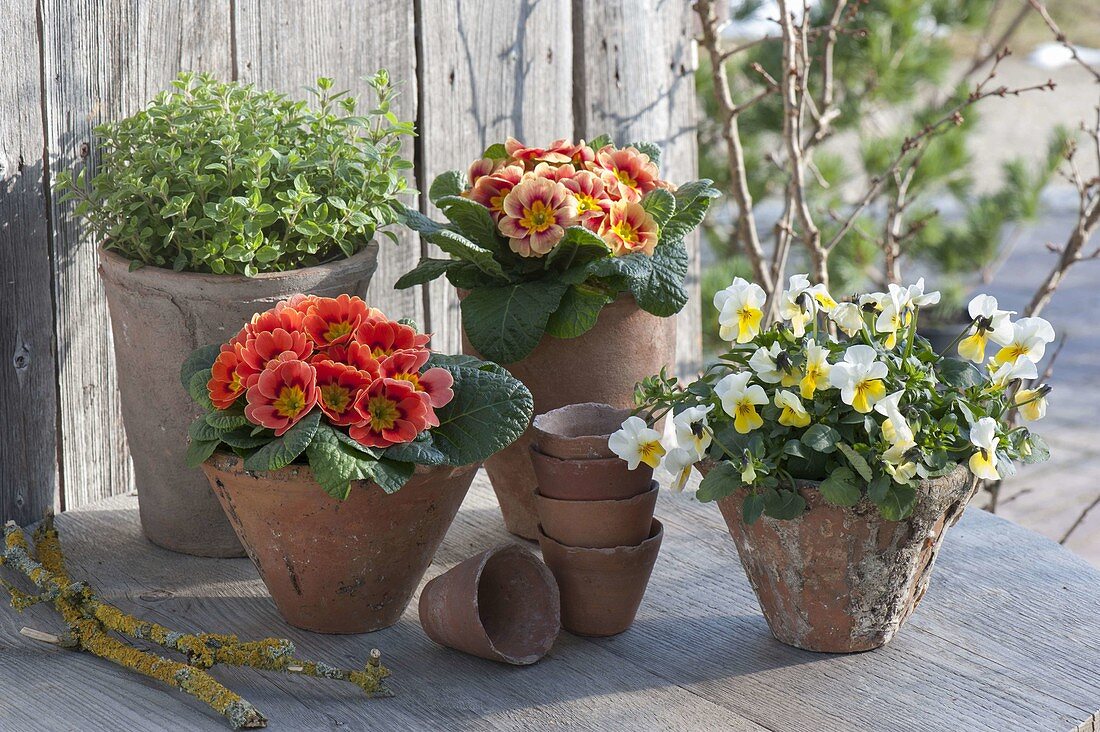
(597, 530)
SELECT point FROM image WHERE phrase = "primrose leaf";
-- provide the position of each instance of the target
(578, 311)
(506, 323)
(489, 411)
(284, 450)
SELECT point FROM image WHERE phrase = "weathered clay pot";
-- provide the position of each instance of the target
(577, 431)
(598, 524)
(599, 479)
(601, 589)
(842, 580)
(603, 365)
(502, 604)
(338, 566)
(158, 317)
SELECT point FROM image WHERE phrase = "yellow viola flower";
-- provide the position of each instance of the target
(740, 310)
(637, 443)
(983, 435)
(894, 314)
(816, 375)
(989, 323)
(859, 377)
(1030, 337)
(793, 414)
(740, 399)
(1032, 403)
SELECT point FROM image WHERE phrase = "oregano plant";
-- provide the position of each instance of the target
(225, 178)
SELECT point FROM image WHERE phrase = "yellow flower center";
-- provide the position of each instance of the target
(748, 323)
(337, 330)
(625, 179)
(290, 402)
(235, 383)
(335, 397)
(745, 418)
(412, 378)
(538, 218)
(496, 203)
(1012, 352)
(651, 453)
(809, 382)
(625, 231)
(865, 391)
(586, 203)
(383, 413)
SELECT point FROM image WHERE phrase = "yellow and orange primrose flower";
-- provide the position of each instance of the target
(491, 190)
(637, 443)
(333, 320)
(435, 383)
(536, 214)
(226, 383)
(557, 152)
(629, 228)
(593, 203)
(283, 393)
(386, 337)
(628, 173)
(391, 412)
(338, 385)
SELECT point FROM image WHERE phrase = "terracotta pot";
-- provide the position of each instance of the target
(338, 566)
(598, 524)
(600, 479)
(502, 604)
(601, 589)
(842, 580)
(577, 431)
(603, 365)
(158, 317)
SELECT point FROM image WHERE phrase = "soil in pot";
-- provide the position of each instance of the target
(577, 431)
(844, 579)
(600, 479)
(335, 566)
(601, 589)
(598, 524)
(158, 317)
(603, 365)
(502, 604)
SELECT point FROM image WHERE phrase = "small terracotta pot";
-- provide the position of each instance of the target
(577, 431)
(600, 479)
(601, 589)
(842, 580)
(625, 345)
(502, 604)
(158, 317)
(598, 524)
(338, 566)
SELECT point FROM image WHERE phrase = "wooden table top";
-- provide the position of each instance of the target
(1007, 638)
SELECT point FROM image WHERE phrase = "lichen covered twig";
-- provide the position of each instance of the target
(91, 621)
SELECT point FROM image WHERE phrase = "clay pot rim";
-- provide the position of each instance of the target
(293, 475)
(151, 275)
(576, 439)
(656, 534)
(596, 504)
(554, 599)
(602, 461)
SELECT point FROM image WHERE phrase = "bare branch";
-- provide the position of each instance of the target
(1061, 38)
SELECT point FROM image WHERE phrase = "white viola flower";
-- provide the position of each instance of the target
(793, 413)
(748, 472)
(1032, 403)
(678, 463)
(983, 435)
(772, 365)
(990, 323)
(877, 299)
(822, 297)
(816, 375)
(1029, 340)
(1001, 375)
(859, 377)
(901, 472)
(796, 305)
(894, 428)
(848, 317)
(637, 443)
(740, 399)
(691, 431)
(894, 314)
(918, 298)
(740, 310)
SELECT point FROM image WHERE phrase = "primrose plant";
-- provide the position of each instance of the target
(845, 398)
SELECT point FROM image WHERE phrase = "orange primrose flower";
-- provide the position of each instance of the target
(332, 320)
(479, 169)
(384, 337)
(558, 151)
(628, 173)
(392, 412)
(491, 190)
(353, 354)
(629, 228)
(226, 382)
(436, 383)
(282, 394)
(259, 350)
(338, 386)
(536, 213)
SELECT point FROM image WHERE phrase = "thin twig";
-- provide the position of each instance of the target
(1061, 38)
(1080, 520)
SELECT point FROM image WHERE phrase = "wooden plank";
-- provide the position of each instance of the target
(28, 386)
(488, 69)
(1005, 639)
(634, 68)
(287, 44)
(102, 60)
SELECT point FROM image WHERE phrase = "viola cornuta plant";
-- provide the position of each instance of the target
(543, 238)
(847, 395)
(334, 383)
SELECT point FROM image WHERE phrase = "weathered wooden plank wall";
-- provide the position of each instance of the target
(474, 71)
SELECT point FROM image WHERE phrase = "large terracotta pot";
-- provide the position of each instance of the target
(842, 580)
(626, 345)
(158, 317)
(338, 566)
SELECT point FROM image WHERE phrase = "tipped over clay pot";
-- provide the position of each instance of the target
(334, 566)
(502, 604)
(601, 589)
(599, 479)
(577, 431)
(598, 524)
